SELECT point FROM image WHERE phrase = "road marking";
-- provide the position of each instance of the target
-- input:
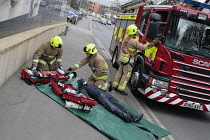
(102, 47)
(141, 108)
(90, 25)
(156, 119)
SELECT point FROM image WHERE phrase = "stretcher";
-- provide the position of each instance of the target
(56, 80)
(68, 93)
(32, 77)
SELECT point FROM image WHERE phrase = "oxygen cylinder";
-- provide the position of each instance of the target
(70, 104)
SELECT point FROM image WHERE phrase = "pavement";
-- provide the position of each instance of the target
(27, 114)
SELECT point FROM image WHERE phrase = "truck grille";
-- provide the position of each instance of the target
(194, 76)
(190, 82)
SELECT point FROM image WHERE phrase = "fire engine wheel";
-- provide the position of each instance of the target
(114, 59)
(135, 82)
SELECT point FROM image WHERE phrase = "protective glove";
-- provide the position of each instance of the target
(154, 42)
(34, 68)
(81, 82)
(61, 68)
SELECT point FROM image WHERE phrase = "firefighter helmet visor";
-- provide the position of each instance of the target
(90, 48)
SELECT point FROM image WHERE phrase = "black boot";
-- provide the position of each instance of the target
(138, 118)
(122, 92)
(127, 118)
(110, 86)
(114, 88)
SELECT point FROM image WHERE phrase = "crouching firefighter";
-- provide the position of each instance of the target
(129, 50)
(98, 66)
(49, 54)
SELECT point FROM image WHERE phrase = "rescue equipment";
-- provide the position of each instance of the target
(85, 108)
(31, 77)
(66, 91)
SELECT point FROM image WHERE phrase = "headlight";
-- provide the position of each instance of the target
(158, 83)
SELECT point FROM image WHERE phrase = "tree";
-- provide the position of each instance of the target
(75, 4)
(84, 4)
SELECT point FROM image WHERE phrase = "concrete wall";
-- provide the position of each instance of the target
(16, 50)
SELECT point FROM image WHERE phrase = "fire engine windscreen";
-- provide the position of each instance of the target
(189, 37)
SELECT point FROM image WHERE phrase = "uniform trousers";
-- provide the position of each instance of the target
(122, 76)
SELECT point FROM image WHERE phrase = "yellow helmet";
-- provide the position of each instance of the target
(131, 29)
(56, 42)
(90, 48)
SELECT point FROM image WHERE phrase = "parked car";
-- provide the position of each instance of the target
(109, 22)
(72, 17)
(85, 15)
(95, 19)
(79, 14)
(103, 21)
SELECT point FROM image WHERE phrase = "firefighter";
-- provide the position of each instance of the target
(50, 54)
(108, 101)
(98, 66)
(129, 50)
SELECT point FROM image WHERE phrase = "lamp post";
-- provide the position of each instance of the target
(80, 2)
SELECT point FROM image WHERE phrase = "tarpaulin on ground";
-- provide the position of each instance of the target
(108, 123)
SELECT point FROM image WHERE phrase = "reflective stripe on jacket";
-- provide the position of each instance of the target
(97, 64)
(130, 48)
(46, 53)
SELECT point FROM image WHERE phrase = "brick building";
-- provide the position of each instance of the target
(103, 7)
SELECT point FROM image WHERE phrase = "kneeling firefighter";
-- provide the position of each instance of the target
(129, 50)
(98, 66)
(50, 54)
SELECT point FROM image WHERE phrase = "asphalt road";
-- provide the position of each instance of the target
(184, 123)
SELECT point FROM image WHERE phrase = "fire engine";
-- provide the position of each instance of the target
(177, 70)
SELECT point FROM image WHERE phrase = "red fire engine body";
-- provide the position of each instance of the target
(177, 70)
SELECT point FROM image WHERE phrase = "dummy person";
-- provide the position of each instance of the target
(108, 101)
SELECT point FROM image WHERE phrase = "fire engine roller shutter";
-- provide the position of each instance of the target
(115, 33)
(120, 35)
(112, 126)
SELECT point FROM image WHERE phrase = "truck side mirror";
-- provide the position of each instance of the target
(153, 30)
(154, 26)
